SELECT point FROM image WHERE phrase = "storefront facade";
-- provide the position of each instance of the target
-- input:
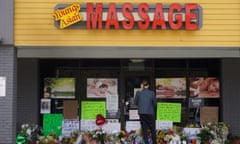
(46, 50)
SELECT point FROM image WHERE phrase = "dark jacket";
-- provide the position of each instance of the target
(146, 101)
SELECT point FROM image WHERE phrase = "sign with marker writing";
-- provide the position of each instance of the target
(90, 109)
(169, 112)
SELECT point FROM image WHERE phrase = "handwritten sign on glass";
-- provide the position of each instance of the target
(90, 109)
(169, 111)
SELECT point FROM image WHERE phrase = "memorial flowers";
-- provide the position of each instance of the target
(205, 135)
(28, 133)
(219, 130)
(212, 133)
(165, 136)
(49, 139)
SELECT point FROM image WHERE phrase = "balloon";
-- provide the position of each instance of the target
(100, 119)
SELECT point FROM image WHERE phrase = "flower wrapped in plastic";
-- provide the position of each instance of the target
(219, 130)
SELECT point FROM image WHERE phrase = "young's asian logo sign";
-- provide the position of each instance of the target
(129, 16)
(68, 15)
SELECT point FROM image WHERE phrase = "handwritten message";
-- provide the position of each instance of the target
(91, 108)
(169, 112)
(69, 126)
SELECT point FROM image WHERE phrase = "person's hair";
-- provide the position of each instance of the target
(103, 86)
(145, 83)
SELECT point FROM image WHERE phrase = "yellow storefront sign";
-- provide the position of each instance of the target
(68, 16)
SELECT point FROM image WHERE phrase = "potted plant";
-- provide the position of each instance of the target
(205, 136)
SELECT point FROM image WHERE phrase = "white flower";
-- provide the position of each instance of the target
(29, 132)
(167, 137)
(215, 142)
(26, 125)
(122, 139)
(22, 126)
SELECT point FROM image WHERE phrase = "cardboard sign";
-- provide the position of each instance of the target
(208, 114)
(169, 112)
(70, 109)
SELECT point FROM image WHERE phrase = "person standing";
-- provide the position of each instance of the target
(146, 102)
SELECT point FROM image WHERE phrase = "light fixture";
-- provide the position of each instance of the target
(137, 60)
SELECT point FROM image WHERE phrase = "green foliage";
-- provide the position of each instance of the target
(205, 135)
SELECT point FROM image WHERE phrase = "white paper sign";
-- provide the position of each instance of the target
(112, 127)
(191, 133)
(88, 125)
(133, 115)
(69, 126)
(132, 125)
(112, 103)
(3, 86)
(109, 127)
(164, 125)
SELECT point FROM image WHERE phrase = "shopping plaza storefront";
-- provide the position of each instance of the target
(170, 43)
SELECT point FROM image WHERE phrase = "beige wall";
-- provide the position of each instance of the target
(34, 26)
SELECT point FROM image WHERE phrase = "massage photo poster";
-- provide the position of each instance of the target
(204, 87)
(170, 87)
(60, 88)
(102, 87)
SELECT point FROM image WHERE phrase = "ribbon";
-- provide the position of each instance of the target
(21, 139)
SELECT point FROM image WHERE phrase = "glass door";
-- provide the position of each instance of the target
(131, 84)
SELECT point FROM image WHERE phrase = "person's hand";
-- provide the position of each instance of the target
(142, 86)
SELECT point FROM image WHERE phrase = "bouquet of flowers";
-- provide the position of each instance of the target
(48, 139)
(28, 133)
(219, 130)
(165, 136)
(205, 135)
(98, 135)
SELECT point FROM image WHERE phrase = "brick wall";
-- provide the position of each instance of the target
(8, 102)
